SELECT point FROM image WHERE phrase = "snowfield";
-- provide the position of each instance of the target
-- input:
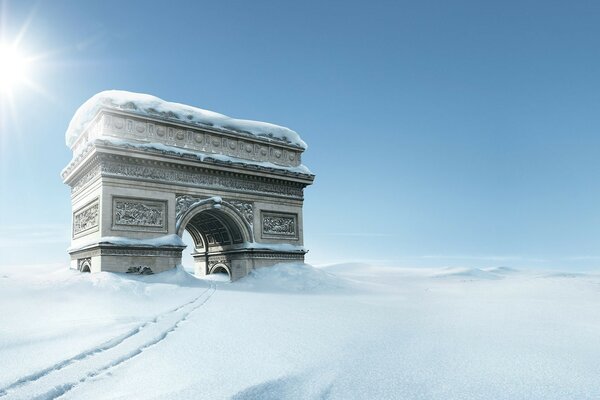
(348, 331)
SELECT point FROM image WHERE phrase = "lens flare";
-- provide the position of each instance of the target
(13, 68)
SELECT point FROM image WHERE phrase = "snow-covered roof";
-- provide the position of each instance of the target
(147, 105)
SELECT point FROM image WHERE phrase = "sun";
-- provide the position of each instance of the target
(14, 68)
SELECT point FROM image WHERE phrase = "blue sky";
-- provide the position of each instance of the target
(441, 133)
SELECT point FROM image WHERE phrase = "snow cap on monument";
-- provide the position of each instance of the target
(148, 105)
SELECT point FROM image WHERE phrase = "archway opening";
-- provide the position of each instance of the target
(187, 260)
(85, 265)
(212, 235)
(220, 274)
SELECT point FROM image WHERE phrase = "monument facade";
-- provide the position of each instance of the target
(145, 170)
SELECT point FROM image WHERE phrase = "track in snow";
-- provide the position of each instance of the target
(54, 381)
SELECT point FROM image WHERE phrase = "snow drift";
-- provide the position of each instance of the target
(147, 105)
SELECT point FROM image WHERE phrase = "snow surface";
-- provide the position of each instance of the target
(171, 240)
(351, 331)
(147, 105)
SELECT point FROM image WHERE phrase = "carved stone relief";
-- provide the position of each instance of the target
(183, 204)
(196, 178)
(245, 208)
(139, 213)
(200, 140)
(279, 225)
(84, 264)
(86, 219)
(140, 185)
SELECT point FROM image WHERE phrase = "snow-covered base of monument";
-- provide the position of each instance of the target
(297, 332)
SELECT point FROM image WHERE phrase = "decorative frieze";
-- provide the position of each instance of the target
(128, 251)
(183, 204)
(86, 219)
(279, 225)
(133, 214)
(91, 174)
(245, 208)
(200, 178)
(150, 169)
(204, 140)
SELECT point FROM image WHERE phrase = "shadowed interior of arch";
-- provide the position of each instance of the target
(212, 231)
(212, 228)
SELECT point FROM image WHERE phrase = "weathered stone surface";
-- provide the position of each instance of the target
(238, 213)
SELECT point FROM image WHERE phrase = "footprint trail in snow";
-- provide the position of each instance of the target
(60, 378)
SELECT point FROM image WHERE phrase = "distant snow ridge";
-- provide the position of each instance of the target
(152, 106)
(476, 273)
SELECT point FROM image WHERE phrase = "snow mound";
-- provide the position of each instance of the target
(117, 282)
(355, 267)
(291, 387)
(290, 277)
(468, 273)
(501, 270)
(147, 105)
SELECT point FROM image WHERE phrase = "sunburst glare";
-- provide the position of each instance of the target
(14, 68)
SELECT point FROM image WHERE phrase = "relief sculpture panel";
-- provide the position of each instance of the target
(279, 225)
(86, 219)
(129, 213)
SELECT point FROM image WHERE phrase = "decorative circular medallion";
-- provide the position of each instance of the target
(198, 138)
(160, 131)
(119, 123)
(140, 127)
(249, 148)
(180, 135)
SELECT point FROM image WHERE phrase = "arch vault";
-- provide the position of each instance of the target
(145, 170)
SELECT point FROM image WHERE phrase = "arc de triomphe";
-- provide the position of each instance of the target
(145, 170)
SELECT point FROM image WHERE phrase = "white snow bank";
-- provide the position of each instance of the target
(171, 240)
(288, 277)
(273, 246)
(414, 336)
(152, 106)
(166, 240)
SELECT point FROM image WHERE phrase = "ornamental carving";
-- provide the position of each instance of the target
(149, 178)
(245, 208)
(85, 220)
(84, 264)
(279, 225)
(196, 139)
(198, 178)
(139, 213)
(183, 204)
(87, 177)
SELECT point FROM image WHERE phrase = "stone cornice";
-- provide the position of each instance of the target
(110, 165)
(145, 129)
(100, 146)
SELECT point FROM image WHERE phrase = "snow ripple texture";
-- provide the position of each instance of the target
(58, 379)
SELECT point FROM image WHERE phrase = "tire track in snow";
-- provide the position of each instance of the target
(55, 381)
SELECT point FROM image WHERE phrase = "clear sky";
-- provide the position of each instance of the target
(462, 133)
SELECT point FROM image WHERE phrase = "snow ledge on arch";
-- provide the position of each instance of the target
(152, 106)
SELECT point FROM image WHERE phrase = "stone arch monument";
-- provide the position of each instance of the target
(145, 170)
